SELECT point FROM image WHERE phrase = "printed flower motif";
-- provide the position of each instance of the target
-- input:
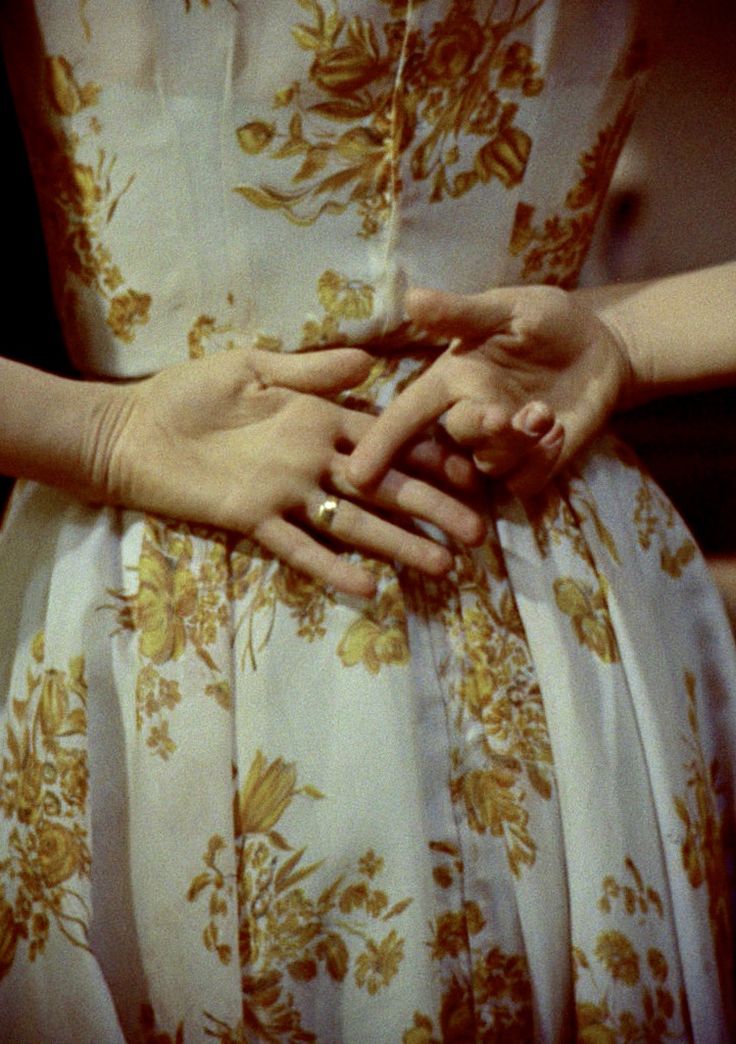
(370, 864)
(452, 931)
(265, 795)
(657, 964)
(29, 787)
(344, 298)
(73, 777)
(255, 137)
(67, 96)
(451, 120)
(85, 194)
(80, 180)
(490, 801)
(520, 71)
(379, 637)
(126, 311)
(166, 596)
(457, 43)
(378, 964)
(368, 643)
(53, 704)
(8, 936)
(334, 953)
(594, 1024)
(59, 853)
(616, 953)
(504, 157)
(457, 1020)
(589, 615)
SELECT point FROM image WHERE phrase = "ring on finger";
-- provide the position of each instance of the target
(323, 516)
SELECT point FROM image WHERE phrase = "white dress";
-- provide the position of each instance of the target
(235, 805)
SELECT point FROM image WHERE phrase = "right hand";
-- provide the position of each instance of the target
(243, 441)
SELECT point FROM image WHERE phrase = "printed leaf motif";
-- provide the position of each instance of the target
(588, 613)
(44, 784)
(286, 936)
(84, 202)
(451, 125)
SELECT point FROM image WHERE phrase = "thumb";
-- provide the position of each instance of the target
(320, 372)
(461, 315)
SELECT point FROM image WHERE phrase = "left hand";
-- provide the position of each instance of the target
(529, 375)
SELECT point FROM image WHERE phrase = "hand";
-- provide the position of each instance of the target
(243, 441)
(528, 377)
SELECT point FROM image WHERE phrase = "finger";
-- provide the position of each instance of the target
(461, 315)
(540, 464)
(411, 496)
(428, 453)
(498, 440)
(472, 422)
(318, 372)
(355, 526)
(304, 554)
(408, 414)
(432, 456)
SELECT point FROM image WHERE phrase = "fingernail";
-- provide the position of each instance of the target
(533, 419)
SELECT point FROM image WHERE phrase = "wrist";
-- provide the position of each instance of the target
(51, 428)
(633, 364)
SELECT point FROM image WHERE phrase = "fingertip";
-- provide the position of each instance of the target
(545, 460)
(534, 419)
(438, 561)
(354, 361)
(460, 472)
(475, 531)
(359, 472)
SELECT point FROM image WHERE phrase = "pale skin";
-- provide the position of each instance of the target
(531, 373)
(242, 441)
(246, 441)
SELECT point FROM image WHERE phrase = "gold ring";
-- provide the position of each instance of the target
(324, 515)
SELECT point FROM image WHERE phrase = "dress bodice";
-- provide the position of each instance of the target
(208, 169)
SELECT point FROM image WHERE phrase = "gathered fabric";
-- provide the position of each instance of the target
(234, 804)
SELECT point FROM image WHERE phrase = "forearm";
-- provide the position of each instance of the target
(53, 429)
(679, 331)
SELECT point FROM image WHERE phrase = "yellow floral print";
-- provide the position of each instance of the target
(496, 688)
(557, 517)
(703, 845)
(341, 298)
(555, 252)
(180, 602)
(634, 898)
(378, 637)
(43, 790)
(176, 604)
(287, 935)
(154, 696)
(440, 99)
(656, 519)
(495, 1001)
(84, 204)
(206, 334)
(263, 585)
(586, 606)
(640, 1004)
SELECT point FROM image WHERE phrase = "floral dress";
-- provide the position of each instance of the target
(235, 805)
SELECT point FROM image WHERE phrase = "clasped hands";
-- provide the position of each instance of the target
(246, 440)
